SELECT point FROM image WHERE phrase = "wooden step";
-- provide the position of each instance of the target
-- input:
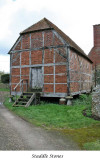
(27, 93)
(21, 99)
(20, 102)
(18, 105)
(26, 99)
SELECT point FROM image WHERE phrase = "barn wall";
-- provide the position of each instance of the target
(80, 73)
(46, 49)
(61, 73)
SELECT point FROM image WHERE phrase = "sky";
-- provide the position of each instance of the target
(74, 17)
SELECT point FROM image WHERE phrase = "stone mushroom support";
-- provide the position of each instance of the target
(62, 101)
(69, 100)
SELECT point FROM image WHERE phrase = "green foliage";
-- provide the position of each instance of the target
(92, 145)
(55, 115)
(2, 72)
(83, 99)
(5, 78)
(4, 89)
(68, 119)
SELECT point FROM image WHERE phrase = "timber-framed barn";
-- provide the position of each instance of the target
(44, 57)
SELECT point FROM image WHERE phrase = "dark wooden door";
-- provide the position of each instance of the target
(37, 78)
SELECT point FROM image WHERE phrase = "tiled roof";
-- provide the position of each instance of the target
(41, 25)
(46, 24)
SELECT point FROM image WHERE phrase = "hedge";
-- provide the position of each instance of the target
(5, 78)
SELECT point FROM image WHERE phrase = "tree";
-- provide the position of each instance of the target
(5, 78)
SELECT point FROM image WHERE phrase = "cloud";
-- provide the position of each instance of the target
(5, 63)
(74, 17)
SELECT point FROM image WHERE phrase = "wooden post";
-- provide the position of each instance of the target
(27, 85)
(15, 94)
(22, 86)
(95, 75)
(68, 74)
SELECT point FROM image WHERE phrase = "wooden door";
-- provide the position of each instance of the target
(37, 80)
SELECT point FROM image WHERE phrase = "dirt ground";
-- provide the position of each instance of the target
(3, 95)
(17, 134)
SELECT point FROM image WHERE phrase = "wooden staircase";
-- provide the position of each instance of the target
(26, 99)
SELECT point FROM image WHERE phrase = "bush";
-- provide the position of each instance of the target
(5, 78)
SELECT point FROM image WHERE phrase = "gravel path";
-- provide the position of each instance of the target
(17, 134)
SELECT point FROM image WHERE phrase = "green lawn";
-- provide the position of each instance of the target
(67, 119)
(4, 89)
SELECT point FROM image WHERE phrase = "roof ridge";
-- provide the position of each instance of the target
(55, 27)
(45, 24)
(33, 25)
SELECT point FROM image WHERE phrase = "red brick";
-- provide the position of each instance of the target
(48, 79)
(48, 38)
(48, 70)
(59, 58)
(25, 71)
(57, 41)
(25, 58)
(13, 86)
(74, 87)
(36, 57)
(15, 71)
(48, 56)
(18, 46)
(60, 69)
(16, 59)
(61, 88)
(36, 35)
(25, 78)
(26, 41)
(60, 79)
(48, 88)
(15, 79)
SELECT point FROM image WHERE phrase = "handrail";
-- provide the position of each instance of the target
(18, 84)
(21, 82)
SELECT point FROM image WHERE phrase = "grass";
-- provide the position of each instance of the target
(92, 145)
(67, 119)
(4, 89)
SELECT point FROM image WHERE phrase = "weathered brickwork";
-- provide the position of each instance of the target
(49, 88)
(26, 41)
(36, 40)
(60, 79)
(60, 69)
(61, 88)
(48, 70)
(74, 87)
(49, 56)
(15, 71)
(25, 71)
(18, 46)
(46, 51)
(15, 79)
(15, 59)
(80, 73)
(94, 55)
(25, 58)
(13, 86)
(48, 38)
(57, 41)
(59, 58)
(36, 57)
(48, 79)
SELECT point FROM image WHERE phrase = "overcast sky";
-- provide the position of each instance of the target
(74, 17)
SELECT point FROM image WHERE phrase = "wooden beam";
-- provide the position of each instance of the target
(68, 67)
(30, 71)
(40, 48)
